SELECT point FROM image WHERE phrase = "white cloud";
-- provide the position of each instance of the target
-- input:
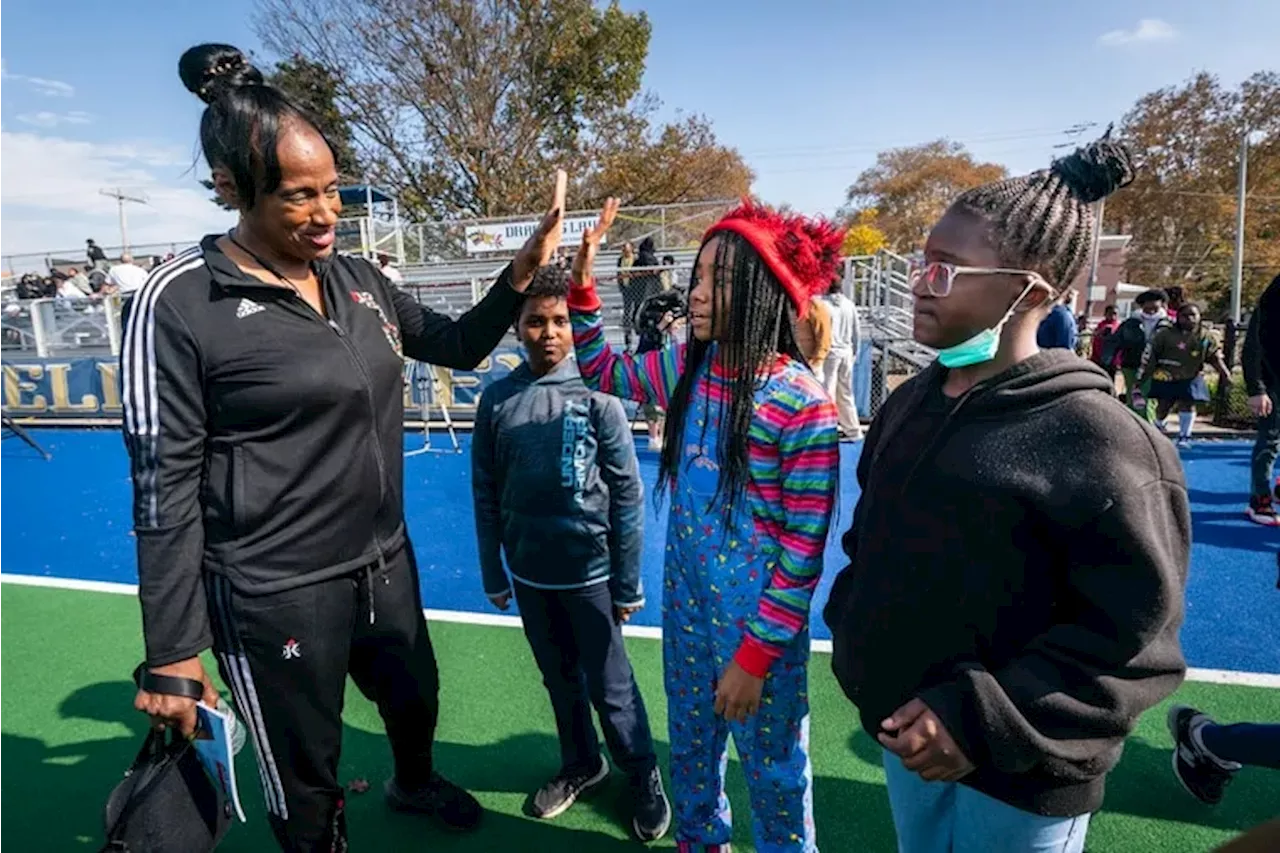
(50, 199)
(50, 119)
(42, 85)
(1147, 30)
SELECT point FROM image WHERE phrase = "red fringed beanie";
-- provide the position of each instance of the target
(802, 253)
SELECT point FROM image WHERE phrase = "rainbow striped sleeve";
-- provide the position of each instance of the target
(809, 453)
(650, 378)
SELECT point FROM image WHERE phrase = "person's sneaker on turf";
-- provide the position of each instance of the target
(452, 806)
(554, 798)
(1262, 511)
(1203, 774)
(652, 809)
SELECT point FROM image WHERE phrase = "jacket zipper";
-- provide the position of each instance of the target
(373, 406)
(311, 312)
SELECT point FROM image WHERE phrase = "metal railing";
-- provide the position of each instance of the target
(878, 284)
(58, 327)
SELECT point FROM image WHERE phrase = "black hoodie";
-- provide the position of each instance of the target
(1018, 561)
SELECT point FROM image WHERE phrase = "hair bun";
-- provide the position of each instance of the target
(211, 70)
(1096, 170)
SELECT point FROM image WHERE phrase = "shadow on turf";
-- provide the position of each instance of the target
(1227, 529)
(54, 794)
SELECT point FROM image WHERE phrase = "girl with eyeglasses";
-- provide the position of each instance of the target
(1019, 551)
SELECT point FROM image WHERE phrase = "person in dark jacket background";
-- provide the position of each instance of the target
(264, 419)
(1261, 362)
(1058, 330)
(1019, 552)
(557, 488)
(1130, 343)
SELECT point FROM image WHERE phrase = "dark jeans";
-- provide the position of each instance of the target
(1266, 447)
(577, 643)
(286, 656)
(1254, 744)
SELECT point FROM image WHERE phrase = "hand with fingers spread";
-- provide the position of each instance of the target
(738, 693)
(916, 735)
(166, 710)
(541, 246)
(585, 259)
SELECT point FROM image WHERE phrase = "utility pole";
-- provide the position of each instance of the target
(1237, 263)
(121, 197)
(1093, 257)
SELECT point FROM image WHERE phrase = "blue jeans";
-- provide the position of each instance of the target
(949, 817)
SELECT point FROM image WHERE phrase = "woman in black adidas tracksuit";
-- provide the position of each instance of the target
(264, 420)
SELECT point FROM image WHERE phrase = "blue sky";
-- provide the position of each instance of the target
(808, 91)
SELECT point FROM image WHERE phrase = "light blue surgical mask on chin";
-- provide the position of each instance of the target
(983, 346)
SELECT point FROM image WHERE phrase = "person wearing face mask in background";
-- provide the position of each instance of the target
(1018, 555)
(1131, 340)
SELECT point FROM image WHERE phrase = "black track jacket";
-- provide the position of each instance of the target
(266, 441)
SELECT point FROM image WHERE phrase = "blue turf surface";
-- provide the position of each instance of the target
(70, 517)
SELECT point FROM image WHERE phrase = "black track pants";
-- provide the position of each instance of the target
(286, 657)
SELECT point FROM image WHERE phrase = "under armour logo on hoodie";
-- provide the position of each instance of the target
(247, 307)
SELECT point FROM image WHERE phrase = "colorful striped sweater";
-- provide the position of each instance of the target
(793, 466)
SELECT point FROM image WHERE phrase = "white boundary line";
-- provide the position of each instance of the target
(499, 620)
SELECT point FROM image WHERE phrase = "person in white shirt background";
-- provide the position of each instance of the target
(837, 368)
(384, 266)
(126, 276)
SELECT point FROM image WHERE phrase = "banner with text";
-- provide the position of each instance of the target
(90, 387)
(510, 236)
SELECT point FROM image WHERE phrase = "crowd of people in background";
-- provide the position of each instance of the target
(98, 278)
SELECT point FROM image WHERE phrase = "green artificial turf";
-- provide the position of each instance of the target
(69, 731)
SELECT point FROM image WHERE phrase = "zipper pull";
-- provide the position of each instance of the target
(333, 325)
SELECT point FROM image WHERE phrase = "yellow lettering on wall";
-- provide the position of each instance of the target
(19, 381)
(61, 391)
(510, 359)
(109, 373)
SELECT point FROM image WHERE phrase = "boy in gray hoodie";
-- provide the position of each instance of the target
(557, 488)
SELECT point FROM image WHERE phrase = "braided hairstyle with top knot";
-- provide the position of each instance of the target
(1044, 221)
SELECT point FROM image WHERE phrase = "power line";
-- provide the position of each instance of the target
(859, 148)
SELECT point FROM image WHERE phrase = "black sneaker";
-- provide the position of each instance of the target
(554, 798)
(450, 805)
(652, 809)
(1200, 773)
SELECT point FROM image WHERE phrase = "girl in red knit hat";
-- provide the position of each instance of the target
(750, 463)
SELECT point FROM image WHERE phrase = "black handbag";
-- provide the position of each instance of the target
(166, 802)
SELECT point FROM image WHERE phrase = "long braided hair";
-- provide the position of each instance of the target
(761, 326)
(1044, 221)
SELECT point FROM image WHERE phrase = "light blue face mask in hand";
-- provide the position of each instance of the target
(982, 347)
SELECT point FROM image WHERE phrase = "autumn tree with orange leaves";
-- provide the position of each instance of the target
(910, 188)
